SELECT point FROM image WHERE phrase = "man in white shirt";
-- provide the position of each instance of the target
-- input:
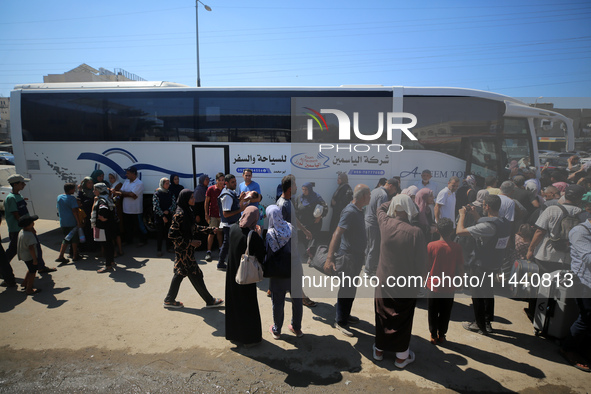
(445, 204)
(507, 210)
(426, 182)
(132, 192)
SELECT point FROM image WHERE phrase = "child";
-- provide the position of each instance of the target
(522, 240)
(27, 251)
(446, 260)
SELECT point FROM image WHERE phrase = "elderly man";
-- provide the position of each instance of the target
(425, 182)
(132, 192)
(403, 255)
(445, 204)
(349, 240)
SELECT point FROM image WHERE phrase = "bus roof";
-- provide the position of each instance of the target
(406, 91)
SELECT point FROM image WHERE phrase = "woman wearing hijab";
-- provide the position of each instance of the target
(403, 253)
(98, 176)
(340, 199)
(411, 191)
(305, 207)
(104, 220)
(183, 232)
(243, 319)
(278, 240)
(199, 195)
(424, 198)
(86, 198)
(175, 188)
(163, 206)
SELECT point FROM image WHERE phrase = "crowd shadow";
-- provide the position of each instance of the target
(316, 360)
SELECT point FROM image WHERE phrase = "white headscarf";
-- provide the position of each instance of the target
(402, 202)
(279, 232)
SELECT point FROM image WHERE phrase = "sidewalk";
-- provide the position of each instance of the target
(109, 332)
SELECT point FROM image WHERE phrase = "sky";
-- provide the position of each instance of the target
(520, 48)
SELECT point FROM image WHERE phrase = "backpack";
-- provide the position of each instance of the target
(559, 235)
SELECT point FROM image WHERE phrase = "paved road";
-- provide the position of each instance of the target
(109, 332)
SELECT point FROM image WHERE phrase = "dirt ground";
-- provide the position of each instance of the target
(109, 333)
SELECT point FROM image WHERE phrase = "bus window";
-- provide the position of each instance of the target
(516, 152)
(482, 158)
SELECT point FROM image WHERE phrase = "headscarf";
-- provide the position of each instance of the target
(279, 232)
(402, 202)
(103, 195)
(95, 174)
(174, 188)
(102, 188)
(311, 198)
(250, 217)
(183, 208)
(480, 196)
(200, 189)
(116, 178)
(411, 191)
(421, 199)
(161, 186)
(86, 191)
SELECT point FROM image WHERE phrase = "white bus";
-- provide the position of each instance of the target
(63, 132)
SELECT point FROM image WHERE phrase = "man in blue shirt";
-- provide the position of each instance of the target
(67, 208)
(350, 241)
(248, 186)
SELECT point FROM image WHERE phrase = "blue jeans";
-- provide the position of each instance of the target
(278, 287)
(225, 246)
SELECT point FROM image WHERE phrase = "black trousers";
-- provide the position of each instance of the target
(483, 299)
(197, 282)
(162, 234)
(439, 315)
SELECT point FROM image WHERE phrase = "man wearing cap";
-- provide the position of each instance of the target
(378, 196)
(549, 255)
(15, 206)
(132, 192)
(426, 182)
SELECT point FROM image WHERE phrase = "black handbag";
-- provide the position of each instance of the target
(318, 260)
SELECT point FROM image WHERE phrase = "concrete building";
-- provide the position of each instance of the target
(4, 122)
(85, 73)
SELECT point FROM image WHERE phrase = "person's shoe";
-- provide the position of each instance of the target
(77, 258)
(158, 254)
(62, 261)
(222, 267)
(308, 302)
(352, 319)
(298, 333)
(433, 340)
(173, 305)
(474, 328)
(208, 257)
(488, 327)
(377, 356)
(46, 270)
(268, 293)
(409, 359)
(574, 360)
(217, 303)
(344, 330)
(274, 334)
(8, 284)
(441, 339)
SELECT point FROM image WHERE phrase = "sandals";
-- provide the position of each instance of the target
(105, 269)
(574, 361)
(409, 359)
(35, 291)
(173, 304)
(217, 302)
(308, 302)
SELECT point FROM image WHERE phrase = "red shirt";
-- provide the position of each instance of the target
(444, 258)
(213, 193)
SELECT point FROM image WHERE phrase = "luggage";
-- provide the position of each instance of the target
(556, 309)
(520, 282)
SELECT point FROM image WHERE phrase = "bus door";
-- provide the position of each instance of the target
(209, 160)
(482, 156)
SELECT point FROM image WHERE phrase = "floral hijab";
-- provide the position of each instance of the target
(279, 232)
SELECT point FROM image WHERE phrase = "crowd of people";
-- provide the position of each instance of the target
(470, 226)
